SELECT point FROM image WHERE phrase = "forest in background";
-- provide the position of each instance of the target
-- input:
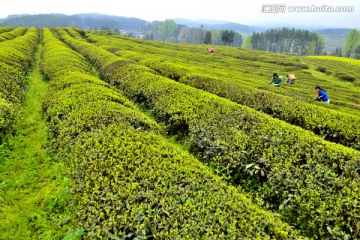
(331, 41)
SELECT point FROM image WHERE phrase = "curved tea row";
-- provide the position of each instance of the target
(311, 182)
(129, 180)
(16, 57)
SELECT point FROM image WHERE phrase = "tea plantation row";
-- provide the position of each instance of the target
(311, 182)
(129, 180)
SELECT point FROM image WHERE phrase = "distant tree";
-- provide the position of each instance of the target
(352, 41)
(247, 42)
(340, 53)
(325, 53)
(202, 35)
(184, 35)
(149, 36)
(238, 40)
(207, 39)
(150, 29)
(177, 32)
(320, 45)
(337, 52)
(216, 37)
(167, 30)
(255, 41)
(157, 35)
(227, 36)
(310, 49)
(357, 52)
(302, 42)
(195, 35)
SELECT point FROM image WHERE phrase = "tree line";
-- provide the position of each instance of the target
(85, 21)
(286, 40)
(169, 31)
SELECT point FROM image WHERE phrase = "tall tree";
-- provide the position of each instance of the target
(320, 45)
(310, 49)
(340, 53)
(167, 30)
(238, 40)
(216, 38)
(352, 41)
(247, 42)
(357, 52)
(207, 39)
(202, 33)
(149, 36)
(195, 35)
(184, 35)
(227, 36)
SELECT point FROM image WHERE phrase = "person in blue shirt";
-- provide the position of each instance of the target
(322, 95)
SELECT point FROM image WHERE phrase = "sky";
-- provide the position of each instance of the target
(255, 12)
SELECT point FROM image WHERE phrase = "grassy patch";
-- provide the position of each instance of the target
(34, 189)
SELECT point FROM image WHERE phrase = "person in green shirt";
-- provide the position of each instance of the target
(276, 80)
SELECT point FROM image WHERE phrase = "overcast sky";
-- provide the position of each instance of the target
(243, 12)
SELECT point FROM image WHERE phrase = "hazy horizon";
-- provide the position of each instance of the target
(260, 13)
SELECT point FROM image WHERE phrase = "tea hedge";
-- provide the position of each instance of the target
(132, 183)
(330, 124)
(8, 35)
(255, 73)
(225, 65)
(341, 59)
(336, 66)
(313, 183)
(76, 33)
(5, 29)
(16, 57)
(67, 61)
